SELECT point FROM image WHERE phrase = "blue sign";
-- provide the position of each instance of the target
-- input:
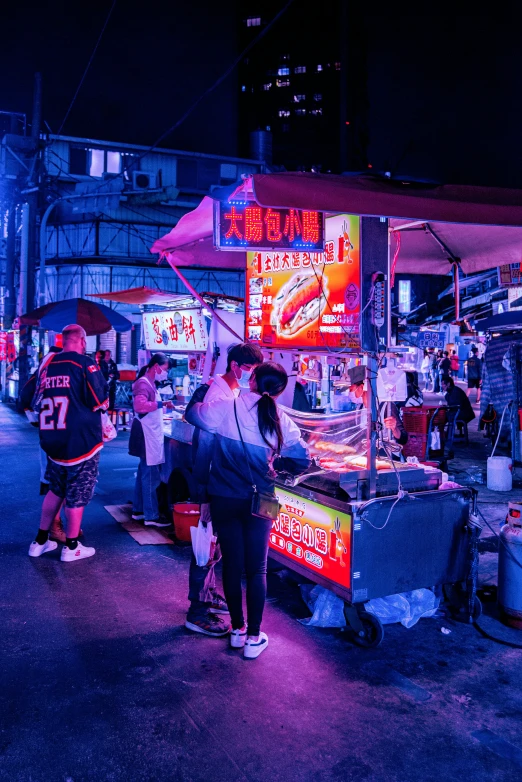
(431, 339)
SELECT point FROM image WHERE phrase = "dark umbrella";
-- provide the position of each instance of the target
(94, 318)
(502, 320)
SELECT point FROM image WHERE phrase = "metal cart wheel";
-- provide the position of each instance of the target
(363, 629)
(457, 599)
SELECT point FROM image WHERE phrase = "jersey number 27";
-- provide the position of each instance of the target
(51, 405)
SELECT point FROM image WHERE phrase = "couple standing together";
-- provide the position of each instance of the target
(242, 440)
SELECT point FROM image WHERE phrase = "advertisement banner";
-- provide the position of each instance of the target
(306, 299)
(510, 274)
(244, 225)
(11, 347)
(313, 536)
(3, 345)
(179, 330)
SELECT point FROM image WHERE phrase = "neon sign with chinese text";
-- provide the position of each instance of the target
(244, 225)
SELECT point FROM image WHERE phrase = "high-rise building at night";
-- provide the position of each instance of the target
(293, 83)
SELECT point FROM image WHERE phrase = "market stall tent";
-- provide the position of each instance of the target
(481, 227)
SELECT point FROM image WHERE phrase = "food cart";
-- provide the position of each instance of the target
(359, 524)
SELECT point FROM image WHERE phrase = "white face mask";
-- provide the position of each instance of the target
(244, 379)
(161, 375)
(352, 396)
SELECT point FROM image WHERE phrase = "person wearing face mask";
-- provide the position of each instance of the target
(147, 441)
(388, 412)
(205, 602)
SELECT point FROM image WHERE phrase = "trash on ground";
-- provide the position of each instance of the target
(326, 607)
(445, 631)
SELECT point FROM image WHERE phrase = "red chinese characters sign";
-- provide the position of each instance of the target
(301, 299)
(313, 536)
(178, 330)
(244, 225)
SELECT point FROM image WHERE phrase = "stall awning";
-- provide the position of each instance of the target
(481, 226)
(141, 295)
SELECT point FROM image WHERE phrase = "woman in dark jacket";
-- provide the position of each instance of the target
(271, 443)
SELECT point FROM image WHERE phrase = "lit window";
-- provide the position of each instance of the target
(316, 112)
(300, 69)
(243, 88)
(318, 97)
(282, 82)
(299, 98)
(285, 57)
(268, 128)
(284, 113)
(253, 21)
(319, 68)
(337, 66)
(404, 296)
(267, 86)
(97, 162)
(283, 72)
(300, 112)
(113, 162)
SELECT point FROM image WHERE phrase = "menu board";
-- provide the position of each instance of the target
(313, 536)
(307, 299)
(180, 330)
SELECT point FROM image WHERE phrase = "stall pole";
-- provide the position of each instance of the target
(372, 417)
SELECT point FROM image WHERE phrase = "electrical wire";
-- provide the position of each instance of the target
(210, 89)
(87, 66)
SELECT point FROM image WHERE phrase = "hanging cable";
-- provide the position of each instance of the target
(87, 66)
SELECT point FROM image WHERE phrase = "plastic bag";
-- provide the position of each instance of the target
(327, 607)
(406, 608)
(203, 537)
(435, 440)
(108, 429)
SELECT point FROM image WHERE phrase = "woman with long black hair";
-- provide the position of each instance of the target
(256, 440)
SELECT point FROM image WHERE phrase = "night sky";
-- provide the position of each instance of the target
(434, 95)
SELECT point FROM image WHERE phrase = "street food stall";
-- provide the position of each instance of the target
(360, 522)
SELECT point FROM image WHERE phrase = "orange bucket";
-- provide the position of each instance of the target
(186, 515)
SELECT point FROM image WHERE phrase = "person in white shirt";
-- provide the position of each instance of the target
(205, 601)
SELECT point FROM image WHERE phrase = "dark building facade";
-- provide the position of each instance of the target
(292, 83)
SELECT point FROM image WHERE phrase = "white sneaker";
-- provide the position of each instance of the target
(80, 552)
(157, 523)
(137, 517)
(37, 549)
(238, 638)
(254, 648)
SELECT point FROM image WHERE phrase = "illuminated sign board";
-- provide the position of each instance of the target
(313, 536)
(179, 330)
(301, 299)
(510, 274)
(244, 225)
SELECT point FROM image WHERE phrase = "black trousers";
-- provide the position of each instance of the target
(244, 547)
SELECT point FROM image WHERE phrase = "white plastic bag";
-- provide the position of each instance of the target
(435, 440)
(406, 608)
(327, 607)
(108, 429)
(203, 537)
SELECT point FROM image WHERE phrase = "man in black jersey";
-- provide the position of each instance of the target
(70, 397)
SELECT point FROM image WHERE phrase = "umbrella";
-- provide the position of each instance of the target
(93, 317)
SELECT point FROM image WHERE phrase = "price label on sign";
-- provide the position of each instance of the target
(316, 537)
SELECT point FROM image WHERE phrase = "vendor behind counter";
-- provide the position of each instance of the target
(388, 412)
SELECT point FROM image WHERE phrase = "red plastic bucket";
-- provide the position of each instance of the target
(185, 516)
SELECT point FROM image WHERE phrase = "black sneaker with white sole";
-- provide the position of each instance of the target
(157, 523)
(218, 604)
(208, 624)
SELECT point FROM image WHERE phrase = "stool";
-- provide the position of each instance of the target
(461, 426)
(122, 417)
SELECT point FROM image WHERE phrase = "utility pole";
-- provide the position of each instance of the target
(26, 296)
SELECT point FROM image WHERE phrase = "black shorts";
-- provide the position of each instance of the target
(74, 484)
(474, 383)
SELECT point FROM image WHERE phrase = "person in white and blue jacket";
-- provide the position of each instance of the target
(272, 442)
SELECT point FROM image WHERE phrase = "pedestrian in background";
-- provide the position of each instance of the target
(474, 373)
(71, 394)
(454, 364)
(147, 441)
(113, 376)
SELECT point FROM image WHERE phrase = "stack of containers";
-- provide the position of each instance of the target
(416, 421)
